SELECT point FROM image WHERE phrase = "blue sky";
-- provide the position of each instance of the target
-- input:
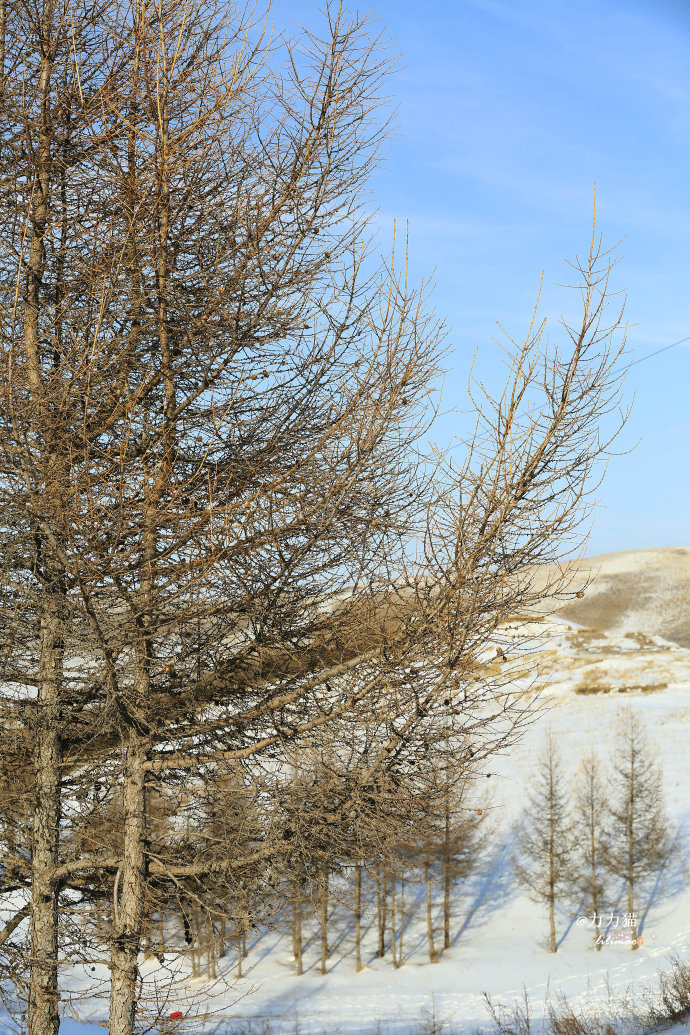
(508, 113)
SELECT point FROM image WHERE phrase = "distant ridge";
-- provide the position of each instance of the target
(643, 591)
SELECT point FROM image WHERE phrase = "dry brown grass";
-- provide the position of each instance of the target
(594, 687)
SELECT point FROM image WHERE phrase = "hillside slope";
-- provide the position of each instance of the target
(627, 642)
(642, 591)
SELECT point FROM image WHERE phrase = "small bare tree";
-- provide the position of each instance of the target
(639, 844)
(590, 823)
(544, 834)
(449, 832)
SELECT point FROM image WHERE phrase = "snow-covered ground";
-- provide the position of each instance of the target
(499, 934)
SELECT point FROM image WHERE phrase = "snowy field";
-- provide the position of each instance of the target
(499, 935)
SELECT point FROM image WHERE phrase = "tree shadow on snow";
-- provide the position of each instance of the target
(670, 881)
(489, 888)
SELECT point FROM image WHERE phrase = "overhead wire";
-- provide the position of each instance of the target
(659, 351)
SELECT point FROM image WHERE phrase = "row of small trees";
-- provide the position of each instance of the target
(612, 825)
(418, 826)
(421, 825)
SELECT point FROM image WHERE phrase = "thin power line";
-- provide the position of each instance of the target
(658, 351)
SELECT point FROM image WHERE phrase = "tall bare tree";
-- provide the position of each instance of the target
(192, 534)
(221, 541)
(56, 66)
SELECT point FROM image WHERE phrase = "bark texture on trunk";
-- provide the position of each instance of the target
(128, 911)
(43, 1016)
(45, 834)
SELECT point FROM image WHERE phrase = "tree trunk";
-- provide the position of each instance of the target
(298, 926)
(552, 859)
(293, 921)
(196, 942)
(393, 923)
(43, 1018)
(358, 917)
(381, 888)
(402, 921)
(631, 854)
(552, 923)
(128, 912)
(211, 949)
(446, 872)
(595, 902)
(324, 920)
(631, 910)
(397, 921)
(429, 913)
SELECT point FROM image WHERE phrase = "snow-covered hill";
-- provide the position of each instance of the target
(627, 642)
(638, 591)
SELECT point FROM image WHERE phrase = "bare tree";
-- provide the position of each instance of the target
(639, 842)
(590, 818)
(448, 835)
(221, 539)
(56, 66)
(191, 477)
(544, 834)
